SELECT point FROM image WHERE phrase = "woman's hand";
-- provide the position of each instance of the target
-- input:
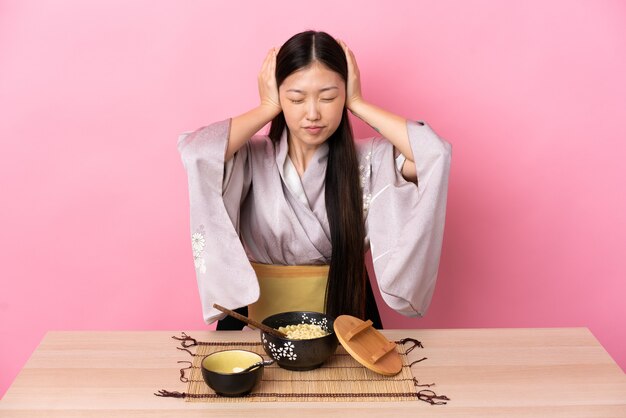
(268, 89)
(353, 87)
(243, 127)
(387, 124)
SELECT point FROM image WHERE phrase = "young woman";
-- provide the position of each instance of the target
(282, 222)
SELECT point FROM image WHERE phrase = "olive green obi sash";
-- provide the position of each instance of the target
(289, 288)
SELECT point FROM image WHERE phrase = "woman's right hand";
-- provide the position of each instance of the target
(243, 127)
(268, 88)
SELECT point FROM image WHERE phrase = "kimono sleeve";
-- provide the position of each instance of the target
(405, 221)
(216, 190)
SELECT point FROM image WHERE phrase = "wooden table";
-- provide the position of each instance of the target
(485, 372)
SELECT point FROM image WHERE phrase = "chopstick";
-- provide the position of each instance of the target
(249, 321)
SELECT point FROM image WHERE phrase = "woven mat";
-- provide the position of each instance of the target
(341, 378)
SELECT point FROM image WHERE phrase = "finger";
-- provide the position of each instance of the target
(352, 59)
(272, 63)
(348, 52)
(264, 66)
(344, 46)
(267, 59)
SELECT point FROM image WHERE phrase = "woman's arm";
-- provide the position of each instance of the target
(243, 127)
(389, 125)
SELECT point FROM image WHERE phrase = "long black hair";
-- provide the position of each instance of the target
(345, 292)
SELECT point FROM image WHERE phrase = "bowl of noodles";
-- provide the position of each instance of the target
(310, 340)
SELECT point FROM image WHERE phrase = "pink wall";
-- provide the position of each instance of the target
(94, 213)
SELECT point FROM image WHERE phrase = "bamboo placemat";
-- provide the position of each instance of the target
(341, 378)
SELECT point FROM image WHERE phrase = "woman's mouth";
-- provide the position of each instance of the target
(313, 130)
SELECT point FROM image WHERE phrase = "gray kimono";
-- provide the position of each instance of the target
(254, 207)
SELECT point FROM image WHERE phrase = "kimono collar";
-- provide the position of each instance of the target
(317, 165)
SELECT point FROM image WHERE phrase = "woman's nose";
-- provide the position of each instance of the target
(312, 112)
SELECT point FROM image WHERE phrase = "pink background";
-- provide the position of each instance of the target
(94, 213)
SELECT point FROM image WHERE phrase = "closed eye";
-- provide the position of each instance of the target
(296, 101)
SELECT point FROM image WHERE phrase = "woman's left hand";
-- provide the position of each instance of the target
(387, 124)
(353, 87)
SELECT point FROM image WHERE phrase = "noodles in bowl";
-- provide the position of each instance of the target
(308, 348)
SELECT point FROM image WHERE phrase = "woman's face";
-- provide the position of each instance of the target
(312, 100)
